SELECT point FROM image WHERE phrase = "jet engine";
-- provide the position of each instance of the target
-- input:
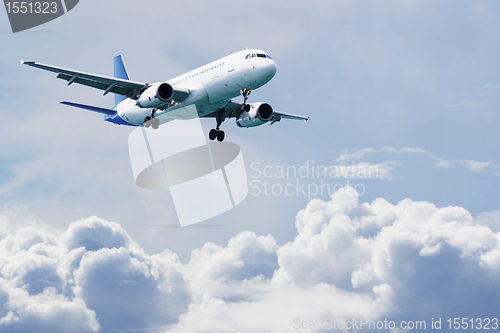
(155, 95)
(258, 114)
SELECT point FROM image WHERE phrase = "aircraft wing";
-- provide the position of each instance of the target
(277, 115)
(127, 88)
(233, 109)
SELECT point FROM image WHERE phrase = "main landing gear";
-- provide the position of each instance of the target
(217, 133)
(245, 106)
(152, 121)
(220, 115)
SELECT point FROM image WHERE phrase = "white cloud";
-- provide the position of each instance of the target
(48, 311)
(487, 90)
(386, 167)
(474, 166)
(404, 261)
(359, 154)
(410, 261)
(95, 234)
(487, 87)
(213, 269)
(130, 290)
(91, 277)
(362, 170)
(467, 105)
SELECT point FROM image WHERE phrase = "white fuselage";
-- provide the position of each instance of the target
(210, 87)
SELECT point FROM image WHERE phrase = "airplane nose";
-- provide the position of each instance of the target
(270, 69)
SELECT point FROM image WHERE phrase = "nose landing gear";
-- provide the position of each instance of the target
(245, 106)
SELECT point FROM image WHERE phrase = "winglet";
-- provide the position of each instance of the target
(29, 63)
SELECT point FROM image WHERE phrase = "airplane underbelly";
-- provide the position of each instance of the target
(248, 79)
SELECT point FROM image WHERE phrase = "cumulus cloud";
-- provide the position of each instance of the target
(212, 269)
(405, 261)
(91, 277)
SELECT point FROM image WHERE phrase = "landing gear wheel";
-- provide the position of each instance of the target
(147, 122)
(212, 134)
(220, 136)
(155, 123)
(220, 115)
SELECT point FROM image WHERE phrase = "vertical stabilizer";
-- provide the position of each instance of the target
(120, 72)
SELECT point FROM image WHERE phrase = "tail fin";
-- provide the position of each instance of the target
(120, 72)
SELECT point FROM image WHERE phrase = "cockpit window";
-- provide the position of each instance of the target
(260, 55)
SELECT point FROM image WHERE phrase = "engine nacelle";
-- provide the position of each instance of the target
(258, 114)
(155, 95)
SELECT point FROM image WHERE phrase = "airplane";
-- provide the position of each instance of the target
(207, 91)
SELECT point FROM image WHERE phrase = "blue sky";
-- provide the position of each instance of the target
(409, 87)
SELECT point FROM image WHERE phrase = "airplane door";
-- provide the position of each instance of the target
(230, 65)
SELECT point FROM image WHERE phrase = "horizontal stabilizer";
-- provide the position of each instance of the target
(91, 108)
